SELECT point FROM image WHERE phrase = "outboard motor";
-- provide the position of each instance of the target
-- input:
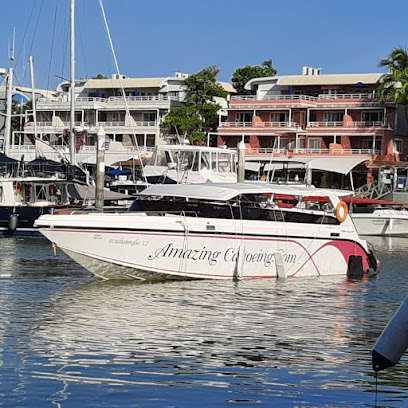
(13, 222)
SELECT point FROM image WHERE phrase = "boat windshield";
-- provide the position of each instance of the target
(217, 161)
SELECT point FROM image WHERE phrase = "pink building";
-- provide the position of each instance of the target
(317, 115)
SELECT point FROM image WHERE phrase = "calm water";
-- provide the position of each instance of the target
(69, 340)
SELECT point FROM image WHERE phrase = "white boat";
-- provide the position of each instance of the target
(378, 217)
(215, 231)
(172, 164)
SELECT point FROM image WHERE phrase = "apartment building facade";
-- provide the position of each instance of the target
(100, 102)
(317, 115)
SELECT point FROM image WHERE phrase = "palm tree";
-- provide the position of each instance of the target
(394, 84)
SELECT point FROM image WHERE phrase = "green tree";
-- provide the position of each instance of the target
(200, 115)
(394, 84)
(99, 76)
(242, 75)
(202, 87)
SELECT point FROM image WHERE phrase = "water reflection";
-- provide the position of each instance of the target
(66, 337)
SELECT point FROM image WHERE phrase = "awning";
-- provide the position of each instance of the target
(341, 165)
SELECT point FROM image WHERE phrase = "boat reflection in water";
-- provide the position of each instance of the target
(257, 340)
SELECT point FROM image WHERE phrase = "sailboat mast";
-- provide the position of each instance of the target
(72, 88)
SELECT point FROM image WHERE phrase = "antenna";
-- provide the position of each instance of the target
(11, 55)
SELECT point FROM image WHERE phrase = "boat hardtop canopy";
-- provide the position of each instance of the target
(229, 191)
(189, 148)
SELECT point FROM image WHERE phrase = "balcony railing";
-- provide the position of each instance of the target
(356, 151)
(112, 99)
(325, 124)
(362, 124)
(277, 124)
(260, 124)
(265, 150)
(311, 151)
(305, 97)
(348, 96)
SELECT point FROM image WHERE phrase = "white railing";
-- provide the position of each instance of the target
(348, 96)
(265, 150)
(146, 123)
(311, 151)
(368, 124)
(112, 99)
(22, 147)
(143, 98)
(356, 151)
(289, 98)
(236, 124)
(325, 124)
(243, 98)
(110, 124)
(276, 124)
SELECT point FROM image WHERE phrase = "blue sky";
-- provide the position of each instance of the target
(155, 38)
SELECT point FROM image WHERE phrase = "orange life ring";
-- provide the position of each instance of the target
(52, 189)
(341, 211)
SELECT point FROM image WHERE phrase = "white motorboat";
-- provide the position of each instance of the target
(378, 217)
(172, 164)
(216, 231)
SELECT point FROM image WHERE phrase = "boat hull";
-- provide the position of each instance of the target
(385, 223)
(175, 247)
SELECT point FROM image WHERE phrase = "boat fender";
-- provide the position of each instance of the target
(341, 211)
(13, 222)
(393, 341)
(355, 267)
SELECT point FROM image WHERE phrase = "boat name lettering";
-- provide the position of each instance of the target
(204, 254)
(230, 255)
(267, 258)
(131, 242)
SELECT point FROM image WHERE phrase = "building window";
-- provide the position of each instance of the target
(333, 117)
(398, 146)
(244, 117)
(149, 117)
(314, 143)
(302, 144)
(373, 116)
(283, 143)
(279, 117)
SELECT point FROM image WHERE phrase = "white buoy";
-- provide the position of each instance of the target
(393, 342)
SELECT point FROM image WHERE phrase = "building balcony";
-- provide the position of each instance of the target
(348, 125)
(257, 125)
(296, 101)
(113, 102)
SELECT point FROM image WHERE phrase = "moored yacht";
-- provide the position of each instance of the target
(215, 231)
(378, 217)
(172, 164)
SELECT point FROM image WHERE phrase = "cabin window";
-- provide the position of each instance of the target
(224, 162)
(1, 193)
(40, 193)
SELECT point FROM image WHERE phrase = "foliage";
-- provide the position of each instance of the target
(197, 138)
(200, 115)
(394, 84)
(202, 87)
(242, 75)
(99, 76)
(183, 120)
